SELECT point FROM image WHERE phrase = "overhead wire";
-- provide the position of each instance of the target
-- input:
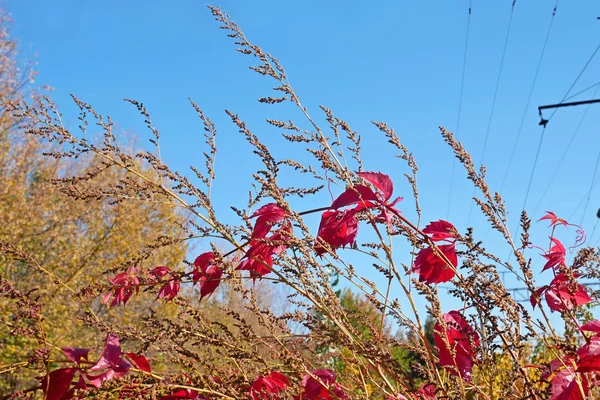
(513, 151)
(460, 101)
(489, 125)
(535, 77)
(589, 194)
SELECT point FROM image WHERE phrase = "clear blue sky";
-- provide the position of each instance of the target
(393, 61)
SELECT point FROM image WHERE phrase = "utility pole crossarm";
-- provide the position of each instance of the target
(544, 122)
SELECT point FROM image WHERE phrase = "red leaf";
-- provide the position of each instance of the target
(110, 361)
(76, 354)
(204, 260)
(337, 229)
(536, 296)
(183, 394)
(563, 294)
(313, 389)
(139, 361)
(56, 384)
(169, 290)
(354, 195)
(124, 285)
(589, 356)
(160, 271)
(431, 268)
(259, 257)
(554, 220)
(110, 355)
(461, 338)
(569, 385)
(593, 326)
(555, 256)
(427, 392)
(268, 215)
(440, 230)
(265, 387)
(117, 371)
(210, 281)
(382, 183)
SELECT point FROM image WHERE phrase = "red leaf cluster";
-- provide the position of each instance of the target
(259, 257)
(267, 387)
(462, 341)
(322, 388)
(568, 376)
(171, 287)
(207, 273)
(564, 292)
(124, 285)
(58, 384)
(339, 228)
(431, 267)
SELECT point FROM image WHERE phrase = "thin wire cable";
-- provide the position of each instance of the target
(460, 100)
(587, 202)
(489, 125)
(576, 79)
(565, 152)
(582, 91)
(535, 77)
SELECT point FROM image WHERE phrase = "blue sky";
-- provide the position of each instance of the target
(398, 62)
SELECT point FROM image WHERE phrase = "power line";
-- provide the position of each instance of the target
(460, 100)
(489, 125)
(535, 77)
(591, 188)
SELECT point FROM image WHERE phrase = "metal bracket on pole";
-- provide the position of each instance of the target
(544, 122)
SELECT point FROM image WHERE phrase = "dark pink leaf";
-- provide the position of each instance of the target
(563, 294)
(259, 257)
(536, 296)
(589, 356)
(75, 354)
(210, 280)
(160, 271)
(463, 341)
(183, 394)
(382, 183)
(426, 392)
(204, 260)
(56, 384)
(556, 255)
(139, 361)
(337, 229)
(169, 289)
(554, 220)
(268, 215)
(440, 230)
(569, 385)
(116, 371)
(124, 285)
(321, 389)
(80, 385)
(433, 269)
(354, 195)
(593, 326)
(267, 387)
(110, 355)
